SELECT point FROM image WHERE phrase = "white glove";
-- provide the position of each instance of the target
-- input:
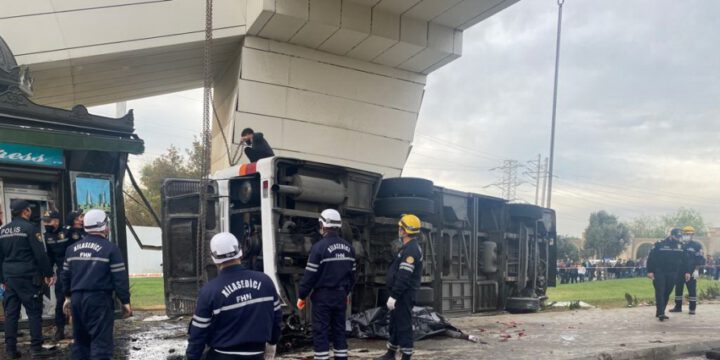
(270, 351)
(696, 274)
(391, 303)
(66, 307)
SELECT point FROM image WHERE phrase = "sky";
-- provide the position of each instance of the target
(638, 116)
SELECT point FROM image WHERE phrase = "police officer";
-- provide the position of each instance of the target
(74, 229)
(25, 266)
(93, 269)
(665, 261)
(238, 313)
(403, 280)
(330, 276)
(56, 243)
(694, 259)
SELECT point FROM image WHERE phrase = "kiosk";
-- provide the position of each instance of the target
(59, 159)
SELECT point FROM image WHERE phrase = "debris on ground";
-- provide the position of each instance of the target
(374, 324)
(157, 318)
(571, 304)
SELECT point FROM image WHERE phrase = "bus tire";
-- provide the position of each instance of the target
(396, 206)
(406, 187)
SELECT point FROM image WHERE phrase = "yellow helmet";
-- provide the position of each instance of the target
(410, 223)
(688, 230)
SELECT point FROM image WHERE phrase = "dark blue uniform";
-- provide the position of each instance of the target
(74, 234)
(24, 264)
(666, 260)
(56, 244)
(237, 313)
(692, 250)
(330, 276)
(93, 269)
(403, 280)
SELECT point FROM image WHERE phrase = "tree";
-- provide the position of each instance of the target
(566, 248)
(605, 235)
(171, 164)
(646, 226)
(685, 217)
(658, 227)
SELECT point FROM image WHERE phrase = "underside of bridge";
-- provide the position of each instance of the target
(310, 74)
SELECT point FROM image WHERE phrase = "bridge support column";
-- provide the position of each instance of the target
(307, 101)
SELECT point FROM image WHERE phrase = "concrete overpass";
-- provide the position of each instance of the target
(310, 74)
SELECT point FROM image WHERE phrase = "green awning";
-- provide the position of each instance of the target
(70, 140)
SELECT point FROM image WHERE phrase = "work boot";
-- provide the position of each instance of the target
(663, 317)
(676, 309)
(691, 312)
(389, 355)
(43, 353)
(13, 355)
(406, 357)
(59, 334)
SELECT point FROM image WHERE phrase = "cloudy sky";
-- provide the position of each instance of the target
(638, 125)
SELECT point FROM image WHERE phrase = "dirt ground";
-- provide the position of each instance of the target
(547, 335)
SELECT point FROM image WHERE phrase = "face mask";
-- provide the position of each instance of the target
(686, 237)
(49, 228)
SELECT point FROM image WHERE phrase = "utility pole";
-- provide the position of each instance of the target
(554, 108)
(545, 178)
(509, 182)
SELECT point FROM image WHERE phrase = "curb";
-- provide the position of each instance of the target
(662, 352)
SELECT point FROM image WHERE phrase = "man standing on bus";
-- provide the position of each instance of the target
(256, 147)
(403, 281)
(330, 276)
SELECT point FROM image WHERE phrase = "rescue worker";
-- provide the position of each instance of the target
(256, 147)
(25, 267)
(694, 259)
(56, 243)
(403, 280)
(665, 261)
(93, 269)
(74, 230)
(328, 280)
(238, 313)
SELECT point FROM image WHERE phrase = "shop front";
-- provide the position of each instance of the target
(60, 159)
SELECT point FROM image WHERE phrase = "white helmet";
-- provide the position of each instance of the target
(223, 247)
(95, 220)
(330, 218)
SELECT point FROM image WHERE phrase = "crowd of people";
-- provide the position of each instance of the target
(571, 272)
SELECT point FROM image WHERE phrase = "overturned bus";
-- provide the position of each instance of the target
(481, 253)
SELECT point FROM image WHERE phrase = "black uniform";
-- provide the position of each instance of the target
(260, 148)
(56, 244)
(403, 280)
(93, 269)
(24, 265)
(330, 275)
(693, 260)
(237, 313)
(74, 234)
(666, 260)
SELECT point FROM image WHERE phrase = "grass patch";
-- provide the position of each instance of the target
(611, 293)
(147, 292)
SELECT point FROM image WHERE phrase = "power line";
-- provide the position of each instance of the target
(509, 182)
